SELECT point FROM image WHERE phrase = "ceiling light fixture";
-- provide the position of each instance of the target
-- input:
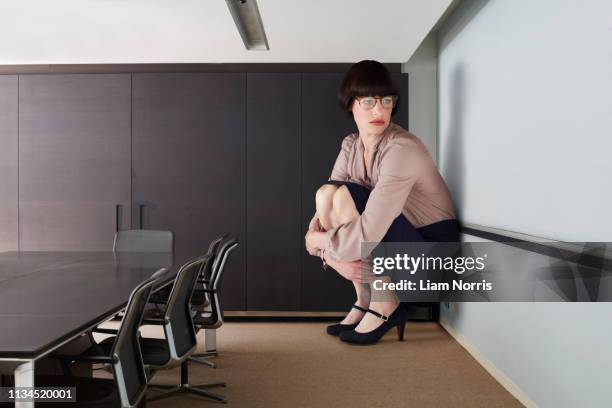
(246, 16)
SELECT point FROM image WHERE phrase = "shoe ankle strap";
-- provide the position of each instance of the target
(380, 316)
(361, 309)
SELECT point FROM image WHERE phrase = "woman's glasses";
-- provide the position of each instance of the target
(368, 102)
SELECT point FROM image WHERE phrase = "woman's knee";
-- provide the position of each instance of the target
(324, 196)
(342, 200)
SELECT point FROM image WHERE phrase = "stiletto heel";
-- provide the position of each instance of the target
(336, 329)
(396, 319)
(400, 331)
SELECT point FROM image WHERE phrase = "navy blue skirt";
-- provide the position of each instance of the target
(401, 230)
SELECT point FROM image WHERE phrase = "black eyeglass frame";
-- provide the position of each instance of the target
(379, 99)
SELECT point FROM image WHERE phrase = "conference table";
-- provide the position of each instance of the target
(48, 299)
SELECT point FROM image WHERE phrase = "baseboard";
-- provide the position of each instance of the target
(488, 365)
(416, 313)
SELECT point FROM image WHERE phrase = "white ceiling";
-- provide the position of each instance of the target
(202, 31)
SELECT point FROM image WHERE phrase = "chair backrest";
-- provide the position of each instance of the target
(143, 241)
(207, 267)
(213, 247)
(128, 365)
(220, 260)
(179, 328)
(215, 319)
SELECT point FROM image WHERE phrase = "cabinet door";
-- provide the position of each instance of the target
(324, 125)
(8, 163)
(188, 152)
(274, 241)
(74, 160)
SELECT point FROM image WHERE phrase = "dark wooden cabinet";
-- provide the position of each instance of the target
(274, 241)
(74, 160)
(188, 159)
(200, 154)
(8, 163)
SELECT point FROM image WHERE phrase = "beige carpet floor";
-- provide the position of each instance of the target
(280, 364)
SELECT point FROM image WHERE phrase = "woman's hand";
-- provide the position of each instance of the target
(312, 241)
(315, 225)
(315, 241)
(355, 271)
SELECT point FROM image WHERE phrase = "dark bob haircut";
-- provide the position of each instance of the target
(366, 78)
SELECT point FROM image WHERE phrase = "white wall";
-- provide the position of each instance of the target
(525, 116)
(422, 93)
(558, 354)
(525, 126)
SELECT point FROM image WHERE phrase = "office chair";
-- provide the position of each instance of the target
(180, 337)
(158, 244)
(212, 319)
(211, 274)
(143, 241)
(123, 353)
(200, 300)
(180, 342)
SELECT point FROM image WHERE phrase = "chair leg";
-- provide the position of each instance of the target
(199, 389)
(207, 394)
(200, 358)
(166, 394)
(184, 386)
(203, 361)
(207, 354)
(209, 385)
(210, 339)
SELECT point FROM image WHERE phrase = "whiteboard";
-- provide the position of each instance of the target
(525, 116)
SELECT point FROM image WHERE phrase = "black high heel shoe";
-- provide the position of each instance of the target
(336, 329)
(397, 319)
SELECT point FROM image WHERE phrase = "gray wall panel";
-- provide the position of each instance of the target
(189, 163)
(324, 125)
(8, 163)
(74, 160)
(274, 243)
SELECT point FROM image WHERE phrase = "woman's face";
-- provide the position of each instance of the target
(371, 121)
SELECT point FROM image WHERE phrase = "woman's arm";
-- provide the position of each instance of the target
(313, 226)
(400, 168)
(356, 271)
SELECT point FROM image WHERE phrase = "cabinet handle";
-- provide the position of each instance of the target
(118, 211)
(141, 208)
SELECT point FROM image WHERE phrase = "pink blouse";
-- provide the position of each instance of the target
(403, 179)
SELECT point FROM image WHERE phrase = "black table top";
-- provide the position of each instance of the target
(49, 297)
